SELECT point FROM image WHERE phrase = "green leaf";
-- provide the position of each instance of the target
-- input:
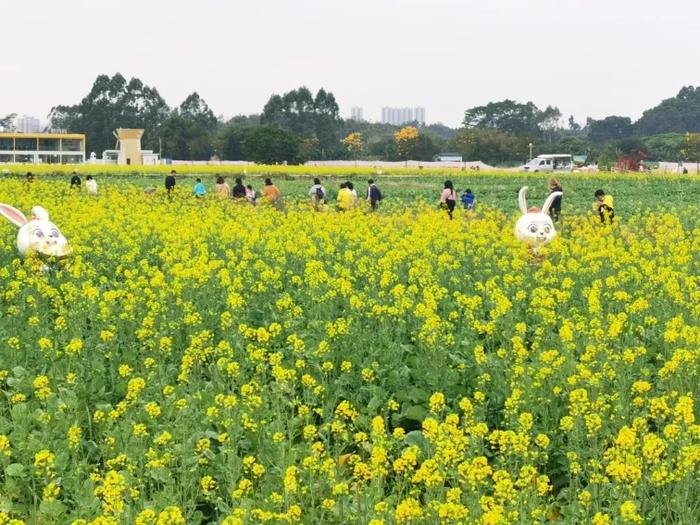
(416, 413)
(15, 470)
(416, 438)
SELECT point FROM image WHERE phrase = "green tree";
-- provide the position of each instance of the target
(573, 125)
(308, 148)
(304, 114)
(188, 134)
(270, 145)
(491, 145)
(610, 129)
(666, 146)
(548, 123)
(114, 103)
(677, 114)
(692, 149)
(507, 116)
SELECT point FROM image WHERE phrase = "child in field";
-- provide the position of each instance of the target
(468, 200)
(604, 206)
(251, 195)
(199, 189)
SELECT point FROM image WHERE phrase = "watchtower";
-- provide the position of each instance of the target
(129, 146)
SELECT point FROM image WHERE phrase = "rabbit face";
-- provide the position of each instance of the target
(38, 234)
(535, 229)
(41, 236)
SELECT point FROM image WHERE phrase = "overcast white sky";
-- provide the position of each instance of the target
(588, 57)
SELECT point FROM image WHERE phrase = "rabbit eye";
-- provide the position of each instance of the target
(54, 233)
(547, 229)
(38, 233)
(533, 228)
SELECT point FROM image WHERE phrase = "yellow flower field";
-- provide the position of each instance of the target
(199, 361)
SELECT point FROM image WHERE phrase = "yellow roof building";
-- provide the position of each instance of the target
(47, 148)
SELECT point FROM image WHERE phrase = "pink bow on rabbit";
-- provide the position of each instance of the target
(38, 234)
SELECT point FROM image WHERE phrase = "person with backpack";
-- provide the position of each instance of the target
(317, 194)
(373, 194)
(448, 198)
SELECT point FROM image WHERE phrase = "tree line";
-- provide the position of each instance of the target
(299, 125)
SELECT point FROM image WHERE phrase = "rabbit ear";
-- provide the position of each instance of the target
(548, 203)
(40, 213)
(13, 215)
(521, 199)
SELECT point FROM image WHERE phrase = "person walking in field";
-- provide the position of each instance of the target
(373, 195)
(170, 184)
(317, 194)
(222, 189)
(91, 185)
(75, 181)
(199, 190)
(251, 195)
(344, 197)
(448, 198)
(353, 191)
(468, 200)
(272, 195)
(238, 191)
(555, 208)
(604, 205)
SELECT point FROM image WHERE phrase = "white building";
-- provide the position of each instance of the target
(399, 116)
(27, 124)
(357, 114)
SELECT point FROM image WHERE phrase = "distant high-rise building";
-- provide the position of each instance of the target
(356, 114)
(399, 116)
(27, 124)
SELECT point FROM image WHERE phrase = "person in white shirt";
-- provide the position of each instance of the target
(91, 185)
(352, 189)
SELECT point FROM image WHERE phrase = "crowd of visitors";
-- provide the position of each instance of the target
(347, 197)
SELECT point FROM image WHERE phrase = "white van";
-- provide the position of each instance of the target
(544, 163)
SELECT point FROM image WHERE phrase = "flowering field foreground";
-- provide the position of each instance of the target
(202, 362)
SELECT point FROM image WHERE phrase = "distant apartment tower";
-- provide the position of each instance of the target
(357, 114)
(398, 116)
(27, 124)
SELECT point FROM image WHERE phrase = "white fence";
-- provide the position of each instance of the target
(675, 167)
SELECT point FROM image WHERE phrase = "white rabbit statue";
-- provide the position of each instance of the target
(535, 227)
(38, 234)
